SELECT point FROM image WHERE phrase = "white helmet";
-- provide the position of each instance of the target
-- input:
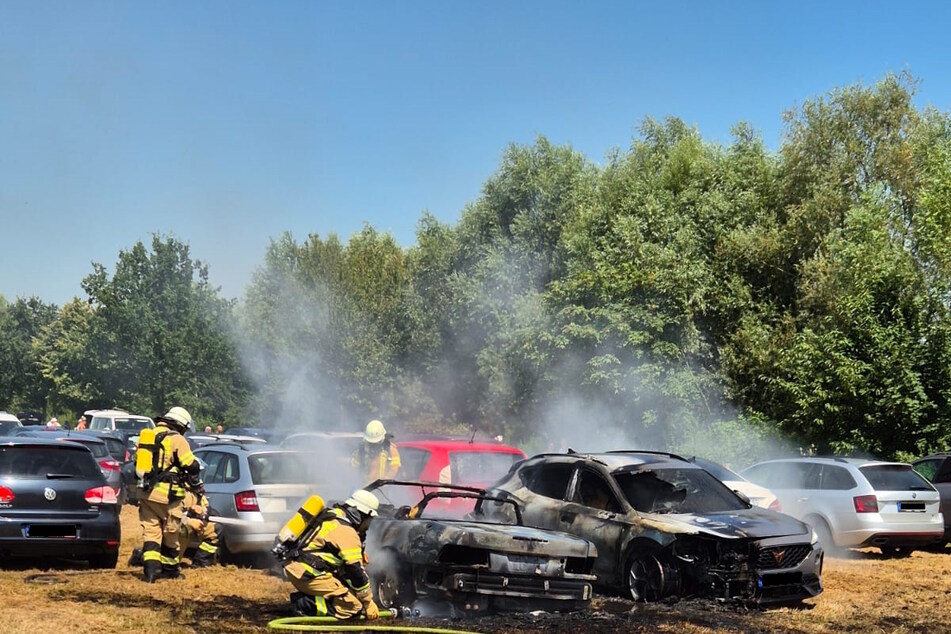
(364, 501)
(178, 417)
(375, 432)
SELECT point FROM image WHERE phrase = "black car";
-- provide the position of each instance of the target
(30, 418)
(55, 502)
(936, 468)
(664, 527)
(110, 467)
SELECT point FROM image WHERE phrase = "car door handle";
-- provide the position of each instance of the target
(567, 517)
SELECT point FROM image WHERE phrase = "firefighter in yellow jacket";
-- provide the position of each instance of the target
(329, 572)
(377, 457)
(198, 531)
(171, 467)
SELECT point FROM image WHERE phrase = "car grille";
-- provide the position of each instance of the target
(776, 557)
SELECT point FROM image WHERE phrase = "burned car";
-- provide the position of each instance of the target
(420, 548)
(664, 527)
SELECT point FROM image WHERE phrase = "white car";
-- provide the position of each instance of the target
(8, 423)
(856, 503)
(118, 420)
(758, 495)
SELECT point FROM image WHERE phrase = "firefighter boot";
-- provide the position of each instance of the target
(203, 559)
(135, 559)
(152, 571)
(171, 572)
(303, 604)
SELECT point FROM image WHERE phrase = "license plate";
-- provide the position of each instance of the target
(62, 531)
(911, 507)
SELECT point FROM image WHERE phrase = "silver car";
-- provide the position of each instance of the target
(255, 488)
(856, 503)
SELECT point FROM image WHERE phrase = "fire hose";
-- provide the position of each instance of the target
(332, 624)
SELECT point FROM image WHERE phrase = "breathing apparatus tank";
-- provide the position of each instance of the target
(292, 534)
(143, 453)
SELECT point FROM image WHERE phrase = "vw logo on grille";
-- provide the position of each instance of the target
(49, 494)
(914, 496)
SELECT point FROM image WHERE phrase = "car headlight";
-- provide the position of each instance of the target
(814, 537)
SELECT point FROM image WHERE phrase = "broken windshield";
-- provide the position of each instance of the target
(677, 491)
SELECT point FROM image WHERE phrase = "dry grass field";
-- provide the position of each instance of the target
(864, 593)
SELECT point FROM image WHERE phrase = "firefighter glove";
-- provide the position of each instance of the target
(372, 611)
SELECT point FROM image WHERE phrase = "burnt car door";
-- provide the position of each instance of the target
(548, 484)
(594, 511)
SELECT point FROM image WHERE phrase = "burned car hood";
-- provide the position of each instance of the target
(747, 523)
(430, 535)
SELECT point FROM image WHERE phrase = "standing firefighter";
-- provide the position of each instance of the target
(328, 570)
(377, 457)
(164, 465)
(198, 531)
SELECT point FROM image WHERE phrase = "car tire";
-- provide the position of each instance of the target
(651, 576)
(105, 560)
(392, 586)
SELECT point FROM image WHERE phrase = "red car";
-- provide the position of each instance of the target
(455, 461)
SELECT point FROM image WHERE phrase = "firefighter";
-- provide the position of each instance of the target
(377, 456)
(329, 572)
(198, 531)
(171, 468)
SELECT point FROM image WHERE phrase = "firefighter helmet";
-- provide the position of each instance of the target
(375, 432)
(364, 501)
(178, 418)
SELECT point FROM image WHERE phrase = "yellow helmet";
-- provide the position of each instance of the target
(178, 417)
(364, 501)
(375, 432)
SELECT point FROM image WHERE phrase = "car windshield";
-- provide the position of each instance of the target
(133, 424)
(894, 478)
(677, 491)
(8, 426)
(39, 462)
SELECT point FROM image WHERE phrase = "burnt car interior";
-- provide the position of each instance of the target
(404, 499)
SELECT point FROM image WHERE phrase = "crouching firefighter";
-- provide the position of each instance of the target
(326, 563)
(198, 531)
(163, 464)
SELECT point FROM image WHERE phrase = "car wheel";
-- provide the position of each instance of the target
(650, 577)
(106, 560)
(896, 552)
(393, 587)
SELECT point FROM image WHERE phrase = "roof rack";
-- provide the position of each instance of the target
(647, 451)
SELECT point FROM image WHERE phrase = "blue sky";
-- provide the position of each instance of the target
(225, 124)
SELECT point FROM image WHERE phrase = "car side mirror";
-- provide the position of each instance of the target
(743, 496)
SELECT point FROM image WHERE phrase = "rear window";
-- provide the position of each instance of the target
(37, 462)
(895, 478)
(133, 424)
(98, 449)
(479, 466)
(412, 462)
(286, 468)
(8, 426)
(115, 447)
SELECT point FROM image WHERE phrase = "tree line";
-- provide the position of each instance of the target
(691, 293)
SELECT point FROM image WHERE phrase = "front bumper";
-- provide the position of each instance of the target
(497, 587)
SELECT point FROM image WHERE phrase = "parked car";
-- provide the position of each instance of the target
(664, 527)
(200, 440)
(115, 443)
(119, 420)
(936, 468)
(55, 502)
(257, 487)
(268, 435)
(856, 503)
(454, 460)
(110, 467)
(757, 495)
(8, 424)
(476, 564)
(31, 418)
